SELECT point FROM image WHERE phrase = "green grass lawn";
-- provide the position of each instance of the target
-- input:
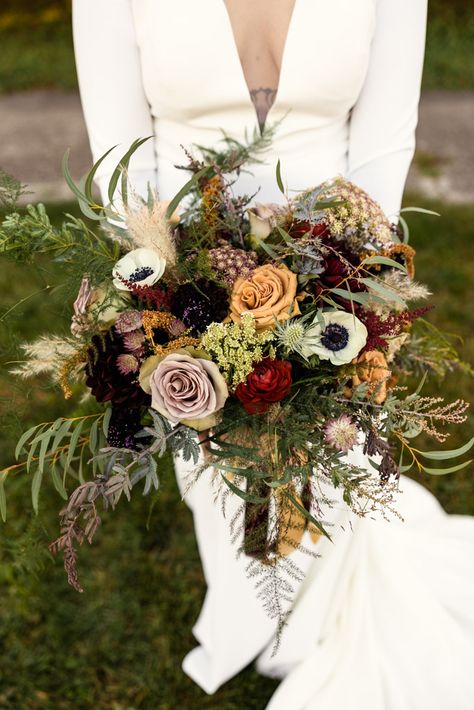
(36, 55)
(119, 645)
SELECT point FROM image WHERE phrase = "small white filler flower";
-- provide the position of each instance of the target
(143, 267)
(336, 336)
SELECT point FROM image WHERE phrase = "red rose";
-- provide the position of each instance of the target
(269, 382)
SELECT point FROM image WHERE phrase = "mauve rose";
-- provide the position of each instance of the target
(188, 389)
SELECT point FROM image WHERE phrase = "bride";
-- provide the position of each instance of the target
(384, 619)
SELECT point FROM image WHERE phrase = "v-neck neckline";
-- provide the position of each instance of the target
(239, 67)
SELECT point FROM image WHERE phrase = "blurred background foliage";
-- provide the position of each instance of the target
(119, 646)
(35, 37)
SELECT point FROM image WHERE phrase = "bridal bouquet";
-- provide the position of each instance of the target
(263, 341)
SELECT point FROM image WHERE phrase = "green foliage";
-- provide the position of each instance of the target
(61, 449)
(28, 234)
(449, 60)
(37, 57)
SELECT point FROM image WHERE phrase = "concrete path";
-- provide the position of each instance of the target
(36, 128)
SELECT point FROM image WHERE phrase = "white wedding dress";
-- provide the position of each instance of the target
(384, 619)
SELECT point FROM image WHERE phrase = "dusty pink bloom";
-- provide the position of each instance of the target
(79, 321)
(185, 388)
(83, 296)
(341, 433)
(177, 328)
(128, 321)
(134, 340)
(127, 364)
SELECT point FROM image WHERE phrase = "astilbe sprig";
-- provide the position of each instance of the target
(153, 296)
(381, 329)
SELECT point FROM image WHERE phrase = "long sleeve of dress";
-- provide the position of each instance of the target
(383, 121)
(110, 81)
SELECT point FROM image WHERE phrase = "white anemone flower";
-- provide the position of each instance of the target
(143, 267)
(336, 336)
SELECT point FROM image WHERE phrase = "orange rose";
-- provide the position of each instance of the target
(268, 294)
(371, 367)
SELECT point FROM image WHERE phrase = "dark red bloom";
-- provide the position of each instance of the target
(304, 229)
(269, 382)
(338, 264)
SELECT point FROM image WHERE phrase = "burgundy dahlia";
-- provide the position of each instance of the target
(103, 375)
(199, 304)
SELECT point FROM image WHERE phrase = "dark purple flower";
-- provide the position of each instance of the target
(199, 304)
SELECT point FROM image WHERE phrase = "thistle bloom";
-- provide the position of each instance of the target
(336, 336)
(341, 433)
(142, 267)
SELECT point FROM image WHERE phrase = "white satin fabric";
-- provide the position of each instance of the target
(384, 619)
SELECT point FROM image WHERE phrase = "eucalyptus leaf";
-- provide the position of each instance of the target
(443, 471)
(58, 483)
(23, 439)
(3, 499)
(122, 165)
(187, 187)
(61, 433)
(405, 229)
(94, 436)
(35, 488)
(266, 247)
(350, 296)
(385, 261)
(307, 515)
(422, 210)
(42, 452)
(67, 176)
(89, 179)
(387, 293)
(278, 178)
(106, 421)
(248, 497)
(73, 443)
(445, 455)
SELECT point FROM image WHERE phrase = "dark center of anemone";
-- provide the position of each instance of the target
(335, 337)
(139, 274)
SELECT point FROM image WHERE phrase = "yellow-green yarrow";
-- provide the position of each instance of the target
(236, 347)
